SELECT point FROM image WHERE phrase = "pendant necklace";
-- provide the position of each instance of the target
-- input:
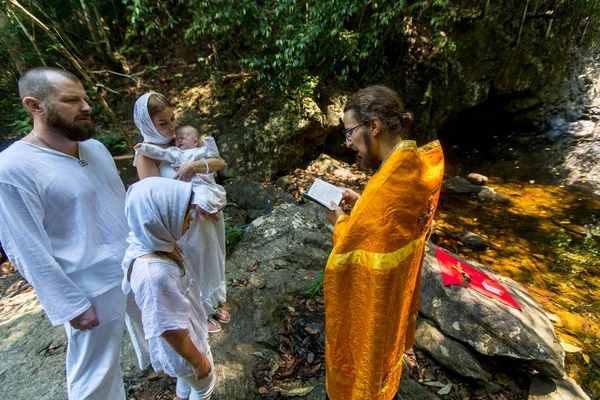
(81, 161)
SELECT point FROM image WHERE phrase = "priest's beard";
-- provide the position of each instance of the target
(75, 130)
(367, 161)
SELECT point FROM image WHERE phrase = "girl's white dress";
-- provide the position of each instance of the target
(168, 301)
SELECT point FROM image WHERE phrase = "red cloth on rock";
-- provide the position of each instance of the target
(456, 272)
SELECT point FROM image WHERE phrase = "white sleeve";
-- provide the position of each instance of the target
(208, 195)
(212, 151)
(158, 153)
(28, 247)
(163, 306)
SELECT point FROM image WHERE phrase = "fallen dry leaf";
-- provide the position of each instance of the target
(301, 392)
(254, 267)
(273, 370)
(586, 358)
(314, 369)
(311, 331)
(446, 389)
(435, 384)
(263, 390)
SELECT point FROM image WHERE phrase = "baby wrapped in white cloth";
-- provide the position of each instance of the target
(191, 147)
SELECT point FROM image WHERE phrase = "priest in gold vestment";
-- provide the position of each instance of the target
(372, 277)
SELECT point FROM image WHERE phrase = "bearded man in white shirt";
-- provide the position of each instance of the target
(62, 223)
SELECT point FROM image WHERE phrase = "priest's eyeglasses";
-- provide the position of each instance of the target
(348, 132)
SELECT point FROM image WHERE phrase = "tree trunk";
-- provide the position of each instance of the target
(11, 42)
(102, 31)
(98, 35)
(31, 38)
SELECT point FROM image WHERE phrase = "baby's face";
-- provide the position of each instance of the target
(186, 141)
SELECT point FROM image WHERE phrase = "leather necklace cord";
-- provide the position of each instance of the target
(81, 161)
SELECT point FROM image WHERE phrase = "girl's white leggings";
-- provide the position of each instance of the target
(189, 386)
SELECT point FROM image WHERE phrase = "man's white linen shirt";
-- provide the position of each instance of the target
(63, 225)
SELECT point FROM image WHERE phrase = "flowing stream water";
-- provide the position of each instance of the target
(547, 239)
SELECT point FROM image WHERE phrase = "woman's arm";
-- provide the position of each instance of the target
(146, 167)
(187, 170)
(180, 341)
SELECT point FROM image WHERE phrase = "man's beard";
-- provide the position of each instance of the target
(77, 131)
(367, 161)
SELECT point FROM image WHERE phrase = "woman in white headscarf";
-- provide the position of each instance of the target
(204, 245)
(159, 212)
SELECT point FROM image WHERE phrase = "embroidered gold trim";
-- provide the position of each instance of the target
(429, 146)
(374, 260)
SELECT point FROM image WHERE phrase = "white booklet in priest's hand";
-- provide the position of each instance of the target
(323, 193)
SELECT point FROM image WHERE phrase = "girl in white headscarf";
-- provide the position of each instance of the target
(204, 245)
(159, 212)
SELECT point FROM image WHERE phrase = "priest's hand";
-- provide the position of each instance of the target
(349, 197)
(86, 320)
(332, 216)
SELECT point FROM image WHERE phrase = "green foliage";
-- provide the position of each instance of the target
(15, 121)
(23, 122)
(149, 16)
(317, 285)
(232, 234)
(114, 142)
(64, 18)
(288, 43)
(308, 86)
(293, 44)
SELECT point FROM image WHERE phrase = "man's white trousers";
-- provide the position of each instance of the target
(93, 366)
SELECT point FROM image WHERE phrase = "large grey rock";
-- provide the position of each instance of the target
(554, 134)
(489, 326)
(448, 352)
(291, 245)
(473, 241)
(489, 195)
(582, 128)
(548, 389)
(579, 161)
(247, 200)
(460, 185)
(411, 390)
(574, 153)
(477, 179)
(558, 123)
(266, 142)
(249, 195)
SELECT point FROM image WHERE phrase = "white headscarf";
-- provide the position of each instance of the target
(155, 209)
(143, 121)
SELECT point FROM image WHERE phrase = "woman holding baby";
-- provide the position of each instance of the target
(204, 244)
